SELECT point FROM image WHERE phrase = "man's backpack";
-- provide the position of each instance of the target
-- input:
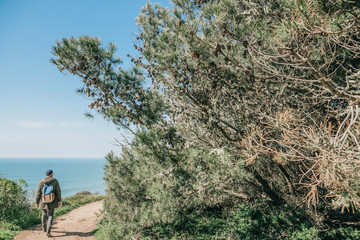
(48, 195)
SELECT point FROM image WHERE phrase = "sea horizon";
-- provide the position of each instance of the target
(74, 174)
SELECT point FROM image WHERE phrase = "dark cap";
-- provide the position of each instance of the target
(48, 172)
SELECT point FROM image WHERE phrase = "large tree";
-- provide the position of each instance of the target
(264, 93)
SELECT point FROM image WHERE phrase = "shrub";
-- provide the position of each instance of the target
(344, 233)
(247, 222)
(12, 198)
(83, 193)
(154, 184)
(8, 230)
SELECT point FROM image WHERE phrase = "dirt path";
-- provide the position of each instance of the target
(76, 225)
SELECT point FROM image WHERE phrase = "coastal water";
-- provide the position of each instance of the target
(74, 175)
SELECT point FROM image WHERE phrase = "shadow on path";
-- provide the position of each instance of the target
(67, 234)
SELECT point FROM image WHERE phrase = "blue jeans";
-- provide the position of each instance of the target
(49, 214)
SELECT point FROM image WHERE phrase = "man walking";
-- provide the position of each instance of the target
(48, 202)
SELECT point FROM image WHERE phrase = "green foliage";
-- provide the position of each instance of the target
(15, 211)
(237, 72)
(8, 230)
(117, 94)
(248, 99)
(12, 198)
(162, 182)
(341, 232)
(306, 234)
(246, 221)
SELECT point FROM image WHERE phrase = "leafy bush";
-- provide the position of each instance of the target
(341, 232)
(8, 230)
(15, 211)
(152, 184)
(247, 222)
(12, 198)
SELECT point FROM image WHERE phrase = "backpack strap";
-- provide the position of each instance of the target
(49, 185)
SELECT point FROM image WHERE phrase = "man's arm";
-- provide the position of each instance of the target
(58, 192)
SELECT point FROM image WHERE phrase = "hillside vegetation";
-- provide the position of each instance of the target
(230, 102)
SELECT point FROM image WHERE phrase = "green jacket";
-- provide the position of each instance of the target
(57, 192)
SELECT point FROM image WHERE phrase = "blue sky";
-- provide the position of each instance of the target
(40, 113)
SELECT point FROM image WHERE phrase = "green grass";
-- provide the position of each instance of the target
(76, 201)
(31, 216)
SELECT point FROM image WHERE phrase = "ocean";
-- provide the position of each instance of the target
(74, 174)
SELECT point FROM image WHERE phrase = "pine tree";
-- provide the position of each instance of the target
(249, 99)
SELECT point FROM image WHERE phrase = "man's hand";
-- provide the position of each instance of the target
(37, 205)
(59, 204)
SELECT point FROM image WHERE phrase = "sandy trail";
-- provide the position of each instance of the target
(76, 225)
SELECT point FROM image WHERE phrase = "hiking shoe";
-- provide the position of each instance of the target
(48, 234)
